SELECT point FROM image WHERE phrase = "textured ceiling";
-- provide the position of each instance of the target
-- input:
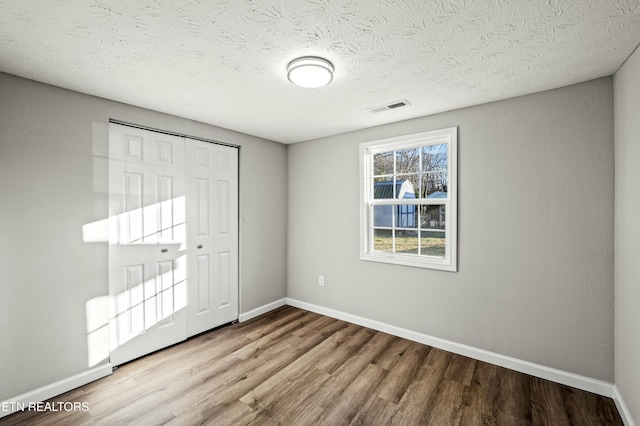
(224, 61)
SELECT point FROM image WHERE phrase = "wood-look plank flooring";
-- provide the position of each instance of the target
(293, 367)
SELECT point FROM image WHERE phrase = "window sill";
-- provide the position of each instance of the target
(426, 262)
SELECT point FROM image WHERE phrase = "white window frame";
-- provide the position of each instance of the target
(368, 149)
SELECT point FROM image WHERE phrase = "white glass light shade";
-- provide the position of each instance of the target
(310, 72)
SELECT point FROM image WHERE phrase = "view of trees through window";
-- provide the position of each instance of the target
(416, 228)
(425, 167)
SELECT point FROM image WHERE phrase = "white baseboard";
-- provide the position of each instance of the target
(622, 407)
(574, 380)
(57, 388)
(261, 310)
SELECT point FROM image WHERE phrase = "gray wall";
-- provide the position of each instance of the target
(53, 180)
(627, 233)
(535, 276)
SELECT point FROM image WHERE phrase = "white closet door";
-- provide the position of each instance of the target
(147, 261)
(212, 235)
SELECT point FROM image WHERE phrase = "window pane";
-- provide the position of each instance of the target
(436, 184)
(432, 243)
(383, 188)
(383, 163)
(383, 240)
(432, 217)
(383, 216)
(408, 160)
(406, 242)
(406, 216)
(434, 157)
(407, 186)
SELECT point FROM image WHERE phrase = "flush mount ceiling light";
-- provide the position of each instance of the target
(310, 72)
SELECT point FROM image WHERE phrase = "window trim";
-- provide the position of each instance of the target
(367, 150)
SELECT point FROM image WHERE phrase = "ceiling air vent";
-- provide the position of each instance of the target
(392, 105)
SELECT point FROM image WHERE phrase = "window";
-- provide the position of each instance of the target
(408, 200)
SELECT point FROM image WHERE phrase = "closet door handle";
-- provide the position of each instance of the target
(199, 246)
(164, 250)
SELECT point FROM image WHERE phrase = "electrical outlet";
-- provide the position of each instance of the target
(321, 280)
